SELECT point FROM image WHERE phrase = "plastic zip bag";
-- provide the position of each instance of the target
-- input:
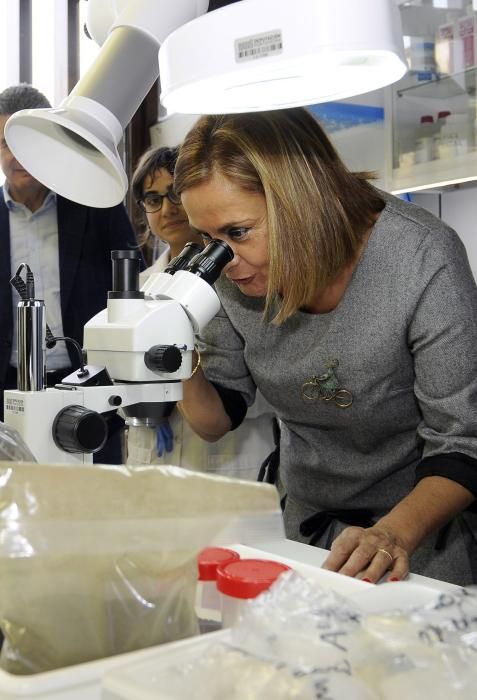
(12, 446)
(100, 560)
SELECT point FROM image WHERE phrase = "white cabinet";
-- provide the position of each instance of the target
(432, 110)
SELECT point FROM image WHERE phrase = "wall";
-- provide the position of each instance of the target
(171, 130)
(458, 208)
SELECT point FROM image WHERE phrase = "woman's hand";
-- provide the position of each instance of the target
(368, 554)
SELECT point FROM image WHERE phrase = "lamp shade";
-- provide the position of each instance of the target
(265, 54)
(73, 149)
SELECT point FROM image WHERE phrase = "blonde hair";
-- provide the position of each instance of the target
(317, 210)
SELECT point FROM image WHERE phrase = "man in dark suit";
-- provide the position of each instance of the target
(68, 248)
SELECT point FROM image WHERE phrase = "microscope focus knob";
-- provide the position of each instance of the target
(78, 429)
(163, 358)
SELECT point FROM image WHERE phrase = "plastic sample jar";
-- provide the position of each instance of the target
(242, 580)
(424, 150)
(208, 598)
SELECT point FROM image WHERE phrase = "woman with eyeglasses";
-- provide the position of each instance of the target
(241, 452)
(165, 219)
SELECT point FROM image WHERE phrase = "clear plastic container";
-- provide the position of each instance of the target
(239, 581)
(455, 135)
(208, 599)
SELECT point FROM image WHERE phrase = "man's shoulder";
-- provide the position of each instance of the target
(3, 208)
(99, 211)
(109, 217)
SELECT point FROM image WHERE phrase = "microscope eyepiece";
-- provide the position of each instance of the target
(182, 261)
(125, 274)
(211, 261)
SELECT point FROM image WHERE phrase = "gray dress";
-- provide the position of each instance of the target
(403, 344)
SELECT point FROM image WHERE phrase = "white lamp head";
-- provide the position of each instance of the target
(265, 54)
(73, 149)
(69, 148)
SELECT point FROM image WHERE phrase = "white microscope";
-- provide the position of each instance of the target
(139, 349)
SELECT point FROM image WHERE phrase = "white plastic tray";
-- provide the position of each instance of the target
(146, 679)
(142, 680)
(83, 682)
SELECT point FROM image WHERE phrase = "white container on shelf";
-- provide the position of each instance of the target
(441, 120)
(424, 150)
(455, 136)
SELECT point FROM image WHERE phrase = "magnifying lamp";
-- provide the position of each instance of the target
(247, 56)
(266, 54)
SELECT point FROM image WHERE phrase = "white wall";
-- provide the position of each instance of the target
(170, 131)
(458, 208)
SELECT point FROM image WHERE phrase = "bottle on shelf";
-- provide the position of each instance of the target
(454, 137)
(424, 150)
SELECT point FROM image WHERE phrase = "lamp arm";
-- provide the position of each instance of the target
(155, 17)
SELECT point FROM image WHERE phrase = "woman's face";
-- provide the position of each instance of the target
(170, 223)
(221, 210)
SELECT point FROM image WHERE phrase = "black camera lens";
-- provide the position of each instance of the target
(182, 261)
(209, 264)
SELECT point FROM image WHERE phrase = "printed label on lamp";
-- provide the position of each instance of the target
(258, 45)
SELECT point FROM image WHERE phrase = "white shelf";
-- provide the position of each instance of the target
(435, 173)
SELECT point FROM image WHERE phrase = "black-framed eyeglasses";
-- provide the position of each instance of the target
(152, 201)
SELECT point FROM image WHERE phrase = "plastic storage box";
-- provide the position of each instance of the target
(142, 680)
(150, 678)
(83, 682)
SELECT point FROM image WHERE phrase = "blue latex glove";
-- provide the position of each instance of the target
(164, 438)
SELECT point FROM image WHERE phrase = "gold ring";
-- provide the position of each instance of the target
(385, 551)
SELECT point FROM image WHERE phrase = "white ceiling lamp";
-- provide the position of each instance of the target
(266, 54)
(250, 55)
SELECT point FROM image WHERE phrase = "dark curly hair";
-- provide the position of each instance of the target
(23, 96)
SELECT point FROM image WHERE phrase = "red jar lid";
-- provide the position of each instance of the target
(209, 559)
(442, 115)
(427, 119)
(247, 578)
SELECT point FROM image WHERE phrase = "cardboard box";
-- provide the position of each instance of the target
(466, 33)
(446, 48)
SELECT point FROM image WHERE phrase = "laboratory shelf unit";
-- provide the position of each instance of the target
(431, 112)
(435, 174)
